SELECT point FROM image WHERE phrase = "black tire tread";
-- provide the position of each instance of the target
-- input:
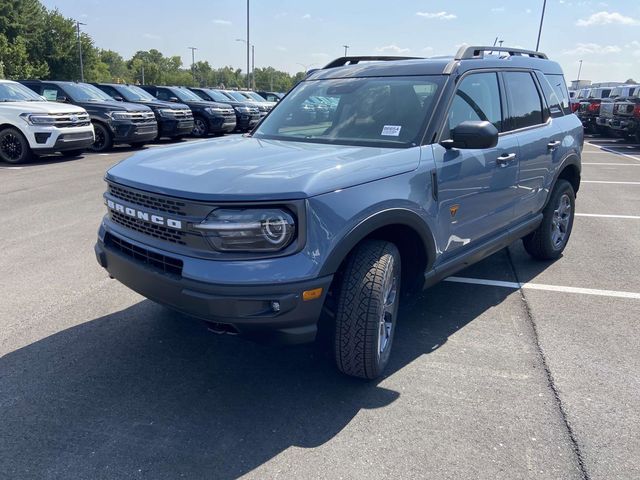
(28, 155)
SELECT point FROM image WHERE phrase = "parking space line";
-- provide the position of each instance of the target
(611, 183)
(11, 168)
(544, 287)
(602, 215)
(613, 164)
(609, 150)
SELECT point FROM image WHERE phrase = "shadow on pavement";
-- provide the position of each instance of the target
(147, 392)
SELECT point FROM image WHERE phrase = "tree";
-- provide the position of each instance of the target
(630, 81)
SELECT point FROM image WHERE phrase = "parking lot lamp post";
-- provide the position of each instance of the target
(193, 62)
(346, 47)
(579, 71)
(248, 45)
(80, 49)
(544, 6)
(253, 66)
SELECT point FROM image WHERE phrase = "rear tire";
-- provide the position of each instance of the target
(549, 240)
(103, 140)
(368, 299)
(14, 148)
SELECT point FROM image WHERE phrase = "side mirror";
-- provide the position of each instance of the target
(118, 98)
(62, 99)
(472, 135)
(173, 99)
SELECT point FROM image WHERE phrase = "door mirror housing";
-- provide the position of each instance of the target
(472, 135)
(118, 98)
(62, 99)
(173, 99)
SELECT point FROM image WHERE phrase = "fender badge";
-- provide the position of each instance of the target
(454, 209)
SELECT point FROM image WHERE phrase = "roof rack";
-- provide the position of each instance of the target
(466, 52)
(342, 61)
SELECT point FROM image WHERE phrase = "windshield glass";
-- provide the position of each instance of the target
(132, 93)
(377, 111)
(237, 96)
(15, 92)
(217, 96)
(186, 95)
(83, 92)
(255, 96)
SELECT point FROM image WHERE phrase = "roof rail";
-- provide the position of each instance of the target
(466, 52)
(342, 61)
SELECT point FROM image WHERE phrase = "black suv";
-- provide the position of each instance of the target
(175, 120)
(208, 117)
(113, 122)
(247, 116)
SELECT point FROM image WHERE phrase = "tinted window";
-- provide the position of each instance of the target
(477, 98)
(52, 93)
(560, 87)
(164, 94)
(109, 90)
(525, 105)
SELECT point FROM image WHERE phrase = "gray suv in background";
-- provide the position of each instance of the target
(312, 230)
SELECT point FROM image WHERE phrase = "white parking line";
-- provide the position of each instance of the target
(599, 215)
(611, 183)
(606, 149)
(11, 168)
(540, 286)
(613, 164)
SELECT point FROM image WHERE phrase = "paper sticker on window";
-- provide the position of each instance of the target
(391, 130)
(50, 95)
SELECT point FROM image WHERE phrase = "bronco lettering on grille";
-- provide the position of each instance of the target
(144, 216)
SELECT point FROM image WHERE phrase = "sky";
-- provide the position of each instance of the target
(293, 35)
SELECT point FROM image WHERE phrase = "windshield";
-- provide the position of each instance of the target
(377, 111)
(131, 93)
(186, 95)
(255, 96)
(83, 92)
(236, 96)
(15, 92)
(216, 95)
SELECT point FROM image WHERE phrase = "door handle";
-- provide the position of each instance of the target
(553, 145)
(504, 159)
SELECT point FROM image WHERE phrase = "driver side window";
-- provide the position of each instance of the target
(477, 98)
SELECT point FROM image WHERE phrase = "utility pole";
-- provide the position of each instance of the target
(142, 74)
(193, 62)
(248, 45)
(346, 47)
(544, 6)
(253, 66)
(80, 49)
(579, 71)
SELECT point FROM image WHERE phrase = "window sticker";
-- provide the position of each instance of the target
(50, 95)
(391, 130)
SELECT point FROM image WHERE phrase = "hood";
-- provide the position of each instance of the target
(42, 107)
(205, 104)
(114, 105)
(250, 169)
(163, 104)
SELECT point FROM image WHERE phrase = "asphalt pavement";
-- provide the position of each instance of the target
(513, 369)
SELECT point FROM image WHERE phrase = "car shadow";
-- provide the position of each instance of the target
(151, 391)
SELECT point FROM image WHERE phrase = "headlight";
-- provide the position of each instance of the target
(38, 119)
(248, 230)
(242, 109)
(120, 115)
(214, 110)
(166, 112)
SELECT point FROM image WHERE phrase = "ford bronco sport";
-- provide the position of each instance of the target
(426, 166)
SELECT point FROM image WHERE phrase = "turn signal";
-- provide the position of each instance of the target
(312, 294)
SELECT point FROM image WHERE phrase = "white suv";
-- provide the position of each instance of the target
(30, 125)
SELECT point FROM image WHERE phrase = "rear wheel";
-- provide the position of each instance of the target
(103, 138)
(200, 127)
(549, 240)
(14, 148)
(367, 310)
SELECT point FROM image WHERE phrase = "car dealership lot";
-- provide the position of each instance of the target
(486, 380)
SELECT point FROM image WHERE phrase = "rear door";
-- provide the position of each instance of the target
(531, 124)
(476, 188)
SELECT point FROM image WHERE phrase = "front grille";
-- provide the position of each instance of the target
(147, 200)
(68, 120)
(156, 231)
(160, 262)
(183, 114)
(142, 117)
(624, 109)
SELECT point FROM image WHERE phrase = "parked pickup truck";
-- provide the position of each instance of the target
(606, 115)
(590, 107)
(626, 116)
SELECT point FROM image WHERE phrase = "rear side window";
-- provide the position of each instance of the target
(560, 88)
(525, 104)
(477, 98)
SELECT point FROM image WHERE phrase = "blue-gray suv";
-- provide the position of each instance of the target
(312, 226)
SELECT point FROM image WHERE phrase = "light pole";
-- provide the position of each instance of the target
(253, 64)
(193, 61)
(80, 49)
(346, 47)
(248, 44)
(579, 71)
(544, 6)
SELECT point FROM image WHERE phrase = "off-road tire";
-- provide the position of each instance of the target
(361, 303)
(539, 244)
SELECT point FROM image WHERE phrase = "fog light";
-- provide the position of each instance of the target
(275, 306)
(311, 294)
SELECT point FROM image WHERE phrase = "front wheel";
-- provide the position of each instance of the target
(200, 127)
(367, 311)
(14, 148)
(103, 138)
(549, 240)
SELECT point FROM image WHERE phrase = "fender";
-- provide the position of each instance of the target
(570, 159)
(392, 216)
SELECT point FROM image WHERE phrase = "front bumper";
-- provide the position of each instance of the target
(623, 125)
(247, 122)
(221, 124)
(245, 309)
(44, 140)
(170, 127)
(129, 132)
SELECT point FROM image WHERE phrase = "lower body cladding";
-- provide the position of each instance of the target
(275, 313)
(134, 132)
(175, 128)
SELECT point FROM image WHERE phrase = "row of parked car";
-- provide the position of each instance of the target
(610, 111)
(40, 116)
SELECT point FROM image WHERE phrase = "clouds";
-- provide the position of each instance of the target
(437, 15)
(392, 49)
(607, 18)
(219, 21)
(592, 49)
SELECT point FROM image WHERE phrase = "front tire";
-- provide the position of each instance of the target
(200, 127)
(14, 148)
(549, 240)
(368, 299)
(103, 138)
